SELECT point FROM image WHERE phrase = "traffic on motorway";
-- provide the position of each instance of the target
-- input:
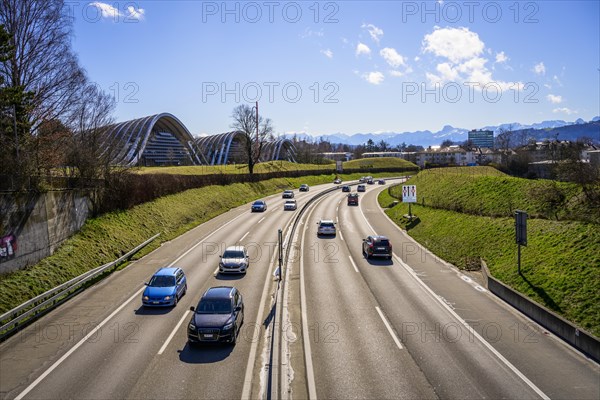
(220, 317)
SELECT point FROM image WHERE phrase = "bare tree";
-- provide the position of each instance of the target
(245, 121)
(42, 62)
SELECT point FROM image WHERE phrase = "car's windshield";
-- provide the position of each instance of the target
(233, 254)
(214, 306)
(162, 281)
(258, 203)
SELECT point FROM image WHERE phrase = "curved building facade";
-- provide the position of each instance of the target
(159, 139)
(162, 139)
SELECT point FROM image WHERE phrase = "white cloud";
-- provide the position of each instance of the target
(564, 110)
(539, 69)
(374, 31)
(392, 57)
(501, 57)
(464, 63)
(328, 53)
(136, 13)
(554, 99)
(106, 10)
(397, 74)
(417, 58)
(456, 44)
(362, 48)
(110, 12)
(374, 78)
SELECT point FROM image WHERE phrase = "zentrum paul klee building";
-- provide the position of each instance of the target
(162, 139)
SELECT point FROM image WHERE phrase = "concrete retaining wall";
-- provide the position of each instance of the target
(33, 225)
(570, 333)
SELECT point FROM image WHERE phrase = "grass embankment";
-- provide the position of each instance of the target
(378, 162)
(271, 166)
(107, 237)
(560, 266)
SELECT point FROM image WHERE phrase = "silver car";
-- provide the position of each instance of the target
(289, 205)
(234, 260)
(326, 227)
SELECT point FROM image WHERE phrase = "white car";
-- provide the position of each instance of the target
(289, 205)
(234, 260)
(326, 227)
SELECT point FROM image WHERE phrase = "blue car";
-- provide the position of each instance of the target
(165, 288)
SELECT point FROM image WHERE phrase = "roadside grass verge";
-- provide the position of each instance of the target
(560, 265)
(271, 166)
(485, 191)
(107, 237)
(379, 162)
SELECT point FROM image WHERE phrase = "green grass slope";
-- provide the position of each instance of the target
(560, 265)
(379, 162)
(271, 166)
(486, 191)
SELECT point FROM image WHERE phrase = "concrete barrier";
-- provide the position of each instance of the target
(567, 331)
(33, 225)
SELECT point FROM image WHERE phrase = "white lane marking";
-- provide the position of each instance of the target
(261, 220)
(466, 278)
(474, 333)
(105, 321)
(481, 289)
(310, 373)
(341, 236)
(216, 271)
(78, 345)
(389, 328)
(353, 263)
(170, 337)
(244, 237)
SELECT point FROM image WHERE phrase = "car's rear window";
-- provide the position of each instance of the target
(382, 242)
(214, 306)
(327, 224)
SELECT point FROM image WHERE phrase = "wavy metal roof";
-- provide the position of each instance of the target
(150, 139)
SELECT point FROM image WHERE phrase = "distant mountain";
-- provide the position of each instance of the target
(541, 130)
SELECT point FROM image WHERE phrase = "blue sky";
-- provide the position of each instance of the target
(346, 66)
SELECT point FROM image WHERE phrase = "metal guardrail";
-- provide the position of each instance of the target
(31, 309)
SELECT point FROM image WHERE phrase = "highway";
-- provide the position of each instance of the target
(412, 327)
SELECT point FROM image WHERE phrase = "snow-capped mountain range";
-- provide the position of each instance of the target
(448, 132)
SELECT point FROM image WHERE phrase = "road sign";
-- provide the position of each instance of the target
(521, 227)
(409, 193)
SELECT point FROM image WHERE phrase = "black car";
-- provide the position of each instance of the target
(218, 316)
(346, 188)
(377, 246)
(353, 199)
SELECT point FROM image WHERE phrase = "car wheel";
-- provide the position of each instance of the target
(184, 290)
(175, 301)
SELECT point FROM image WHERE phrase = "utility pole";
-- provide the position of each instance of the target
(520, 234)
(256, 150)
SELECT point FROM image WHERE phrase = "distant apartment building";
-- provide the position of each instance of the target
(452, 155)
(482, 138)
(408, 156)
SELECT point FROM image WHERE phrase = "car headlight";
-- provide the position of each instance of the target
(168, 297)
(221, 265)
(228, 326)
(243, 265)
(192, 326)
(146, 298)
